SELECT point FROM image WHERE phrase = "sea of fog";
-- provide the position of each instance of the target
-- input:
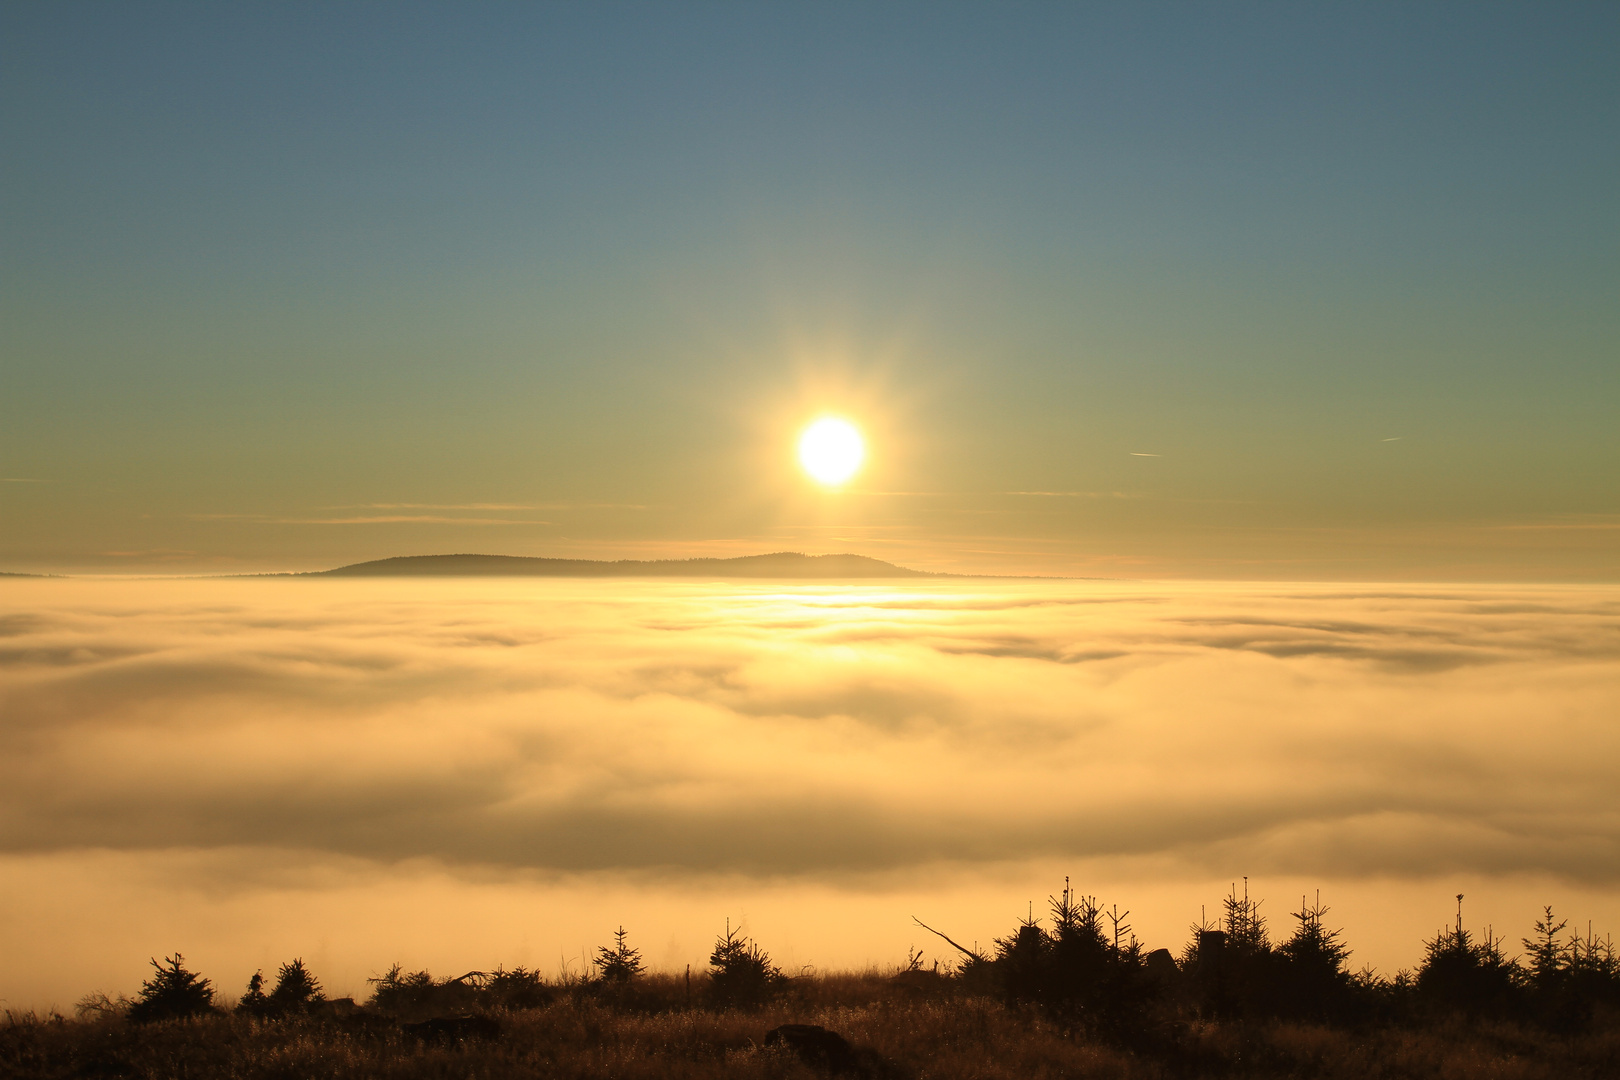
(455, 774)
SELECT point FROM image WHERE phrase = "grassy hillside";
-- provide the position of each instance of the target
(900, 1028)
(1075, 997)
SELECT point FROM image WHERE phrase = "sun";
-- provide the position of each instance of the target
(831, 450)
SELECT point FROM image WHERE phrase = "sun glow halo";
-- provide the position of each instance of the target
(831, 450)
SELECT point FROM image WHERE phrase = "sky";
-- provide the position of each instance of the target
(460, 773)
(1259, 291)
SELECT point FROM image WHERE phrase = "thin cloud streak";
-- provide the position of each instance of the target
(406, 519)
(501, 506)
(1077, 494)
(369, 519)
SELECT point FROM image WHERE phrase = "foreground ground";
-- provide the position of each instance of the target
(898, 1031)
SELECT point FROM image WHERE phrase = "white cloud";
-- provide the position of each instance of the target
(669, 732)
(810, 731)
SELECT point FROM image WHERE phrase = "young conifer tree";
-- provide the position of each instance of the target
(620, 963)
(1314, 946)
(296, 990)
(742, 971)
(1548, 963)
(1245, 926)
(254, 1001)
(172, 993)
(1465, 975)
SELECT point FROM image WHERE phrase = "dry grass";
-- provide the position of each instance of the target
(925, 1030)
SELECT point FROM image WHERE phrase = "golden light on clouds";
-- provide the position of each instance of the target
(412, 769)
(831, 450)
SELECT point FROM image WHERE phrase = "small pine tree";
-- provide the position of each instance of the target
(254, 1002)
(1547, 957)
(1313, 980)
(743, 974)
(1313, 945)
(296, 990)
(172, 993)
(621, 963)
(400, 991)
(1461, 974)
(1245, 926)
(519, 988)
(1592, 960)
(1081, 971)
(1022, 966)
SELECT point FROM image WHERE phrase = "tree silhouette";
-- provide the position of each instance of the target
(1460, 974)
(254, 1001)
(621, 963)
(743, 974)
(296, 990)
(1314, 980)
(172, 993)
(1080, 971)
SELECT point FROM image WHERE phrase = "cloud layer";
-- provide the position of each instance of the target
(816, 732)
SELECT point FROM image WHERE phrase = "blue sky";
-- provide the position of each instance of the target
(274, 278)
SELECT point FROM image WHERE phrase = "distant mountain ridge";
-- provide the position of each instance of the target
(780, 564)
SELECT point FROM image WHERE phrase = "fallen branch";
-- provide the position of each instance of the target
(963, 949)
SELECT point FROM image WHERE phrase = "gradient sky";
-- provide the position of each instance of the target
(288, 286)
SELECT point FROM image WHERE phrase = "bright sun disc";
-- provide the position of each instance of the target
(831, 450)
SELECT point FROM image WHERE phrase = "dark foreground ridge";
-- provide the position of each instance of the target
(1070, 996)
(781, 564)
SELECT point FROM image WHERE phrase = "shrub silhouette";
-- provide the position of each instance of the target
(297, 991)
(742, 972)
(1568, 980)
(172, 993)
(399, 991)
(418, 994)
(254, 1002)
(621, 963)
(1548, 968)
(1460, 974)
(1080, 971)
(519, 988)
(1232, 970)
(98, 1006)
(1313, 981)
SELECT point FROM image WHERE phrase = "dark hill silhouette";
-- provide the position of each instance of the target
(781, 564)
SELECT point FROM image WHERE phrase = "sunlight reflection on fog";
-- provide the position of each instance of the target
(469, 738)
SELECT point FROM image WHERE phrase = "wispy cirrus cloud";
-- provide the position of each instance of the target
(504, 506)
(370, 519)
(1574, 523)
(1078, 494)
(406, 519)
